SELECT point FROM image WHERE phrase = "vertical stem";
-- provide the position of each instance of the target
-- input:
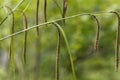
(25, 42)
(117, 41)
(97, 32)
(37, 64)
(45, 10)
(65, 2)
(37, 17)
(58, 56)
(25, 36)
(12, 62)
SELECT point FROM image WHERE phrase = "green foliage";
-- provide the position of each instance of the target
(80, 32)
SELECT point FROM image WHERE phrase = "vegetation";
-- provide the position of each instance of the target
(59, 39)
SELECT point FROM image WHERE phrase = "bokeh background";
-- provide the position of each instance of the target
(81, 34)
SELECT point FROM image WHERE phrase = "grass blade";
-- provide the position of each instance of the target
(68, 48)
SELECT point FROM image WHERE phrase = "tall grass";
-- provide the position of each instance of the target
(60, 32)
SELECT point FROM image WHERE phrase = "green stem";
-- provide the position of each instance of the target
(117, 40)
(12, 67)
(25, 36)
(37, 62)
(58, 55)
(97, 32)
(68, 48)
(65, 2)
(45, 10)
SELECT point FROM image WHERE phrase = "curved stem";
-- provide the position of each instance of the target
(117, 40)
(68, 48)
(97, 32)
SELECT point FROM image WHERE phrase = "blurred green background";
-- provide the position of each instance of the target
(81, 34)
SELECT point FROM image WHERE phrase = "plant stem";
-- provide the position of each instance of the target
(58, 55)
(37, 63)
(68, 48)
(12, 62)
(65, 2)
(25, 36)
(117, 40)
(45, 10)
(97, 32)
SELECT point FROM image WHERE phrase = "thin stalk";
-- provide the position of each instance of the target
(68, 48)
(37, 17)
(117, 40)
(97, 32)
(45, 10)
(12, 45)
(65, 2)
(58, 55)
(25, 37)
(37, 63)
